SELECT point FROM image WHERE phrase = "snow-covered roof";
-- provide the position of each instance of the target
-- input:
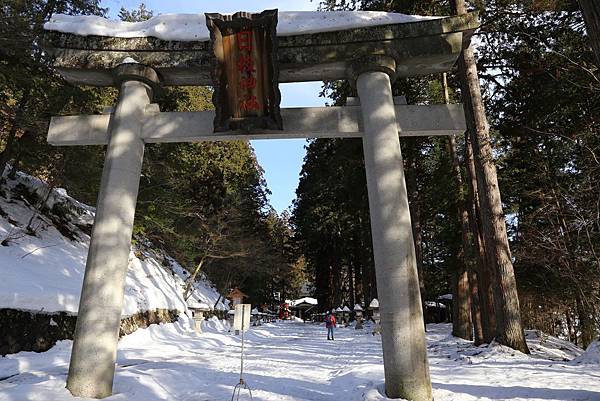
(338, 309)
(192, 27)
(346, 309)
(435, 304)
(254, 312)
(357, 307)
(305, 300)
(374, 303)
(445, 296)
(194, 304)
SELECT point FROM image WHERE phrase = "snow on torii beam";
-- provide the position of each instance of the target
(311, 46)
(368, 49)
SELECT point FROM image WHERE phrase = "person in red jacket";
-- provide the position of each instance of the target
(330, 324)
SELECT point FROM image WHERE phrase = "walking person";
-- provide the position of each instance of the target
(330, 323)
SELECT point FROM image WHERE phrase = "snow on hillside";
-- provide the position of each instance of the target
(44, 271)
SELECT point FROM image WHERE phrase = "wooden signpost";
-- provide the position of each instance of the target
(245, 74)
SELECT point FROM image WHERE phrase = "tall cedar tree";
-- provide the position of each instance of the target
(509, 330)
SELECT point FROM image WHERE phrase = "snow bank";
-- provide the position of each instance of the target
(44, 272)
(376, 393)
(190, 27)
(591, 356)
(545, 346)
(215, 325)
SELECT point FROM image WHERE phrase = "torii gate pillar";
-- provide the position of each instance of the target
(403, 335)
(94, 353)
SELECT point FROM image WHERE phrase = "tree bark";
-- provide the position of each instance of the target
(478, 337)
(8, 151)
(586, 323)
(509, 330)
(488, 321)
(351, 292)
(412, 173)
(461, 305)
(189, 282)
(462, 325)
(591, 14)
(358, 285)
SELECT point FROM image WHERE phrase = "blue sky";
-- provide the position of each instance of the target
(280, 159)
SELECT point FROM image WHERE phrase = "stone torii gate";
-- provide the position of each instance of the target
(370, 56)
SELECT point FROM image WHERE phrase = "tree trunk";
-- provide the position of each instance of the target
(586, 323)
(351, 293)
(462, 325)
(412, 173)
(189, 282)
(358, 272)
(461, 314)
(486, 297)
(509, 330)
(478, 337)
(591, 14)
(8, 150)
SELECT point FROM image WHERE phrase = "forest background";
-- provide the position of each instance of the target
(205, 203)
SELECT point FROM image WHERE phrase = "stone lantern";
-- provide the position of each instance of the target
(255, 317)
(198, 310)
(358, 313)
(346, 314)
(374, 307)
(230, 316)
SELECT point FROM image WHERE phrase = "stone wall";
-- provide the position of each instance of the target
(145, 319)
(37, 331)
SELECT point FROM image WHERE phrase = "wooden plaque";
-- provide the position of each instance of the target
(245, 74)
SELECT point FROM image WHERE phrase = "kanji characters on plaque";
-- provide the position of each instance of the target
(245, 73)
(247, 70)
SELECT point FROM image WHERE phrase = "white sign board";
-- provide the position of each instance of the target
(241, 318)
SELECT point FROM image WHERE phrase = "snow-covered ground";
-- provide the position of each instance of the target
(44, 272)
(285, 361)
(293, 361)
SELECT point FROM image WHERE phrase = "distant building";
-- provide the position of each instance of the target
(236, 296)
(303, 307)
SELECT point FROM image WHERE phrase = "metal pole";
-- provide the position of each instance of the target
(242, 359)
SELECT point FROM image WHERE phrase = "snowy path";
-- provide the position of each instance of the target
(294, 361)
